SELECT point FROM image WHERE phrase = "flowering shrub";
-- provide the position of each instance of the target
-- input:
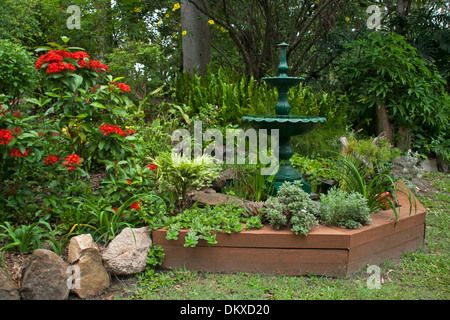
(84, 97)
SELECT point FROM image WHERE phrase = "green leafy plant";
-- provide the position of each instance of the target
(96, 215)
(344, 209)
(182, 173)
(25, 238)
(155, 256)
(354, 176)
(378, 153)
(291, 208)
(314, 169)
(203, 223)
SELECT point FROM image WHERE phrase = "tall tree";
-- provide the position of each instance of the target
(257, 26)
(196, 40)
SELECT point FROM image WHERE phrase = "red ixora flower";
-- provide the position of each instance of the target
(56, 67)
(108, 129)
(55, 61)
(122, 86)
(51, 160)
(16, 153)
(72, 161)
(5, 136)
(152, 167)
(136, 205)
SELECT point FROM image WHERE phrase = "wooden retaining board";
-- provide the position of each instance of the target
(329, 251)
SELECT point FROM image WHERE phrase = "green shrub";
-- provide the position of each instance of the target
(291, 208)
(378, 154)
(344, 209)
(17, 74)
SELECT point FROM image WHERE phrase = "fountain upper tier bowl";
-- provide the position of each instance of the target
(288, 126)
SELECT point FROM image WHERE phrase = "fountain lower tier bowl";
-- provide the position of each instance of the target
(288, 126)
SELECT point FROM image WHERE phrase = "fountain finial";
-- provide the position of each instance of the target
(283, 67)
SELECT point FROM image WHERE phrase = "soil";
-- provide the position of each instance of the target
(15, 262)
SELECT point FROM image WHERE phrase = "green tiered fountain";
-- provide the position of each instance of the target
(288, 125)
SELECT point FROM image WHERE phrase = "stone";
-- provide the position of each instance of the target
(226, 175)
(429, 165)
(9, 289)
(212, 198)
(77, 245)
(127, 254)
(45, 277)
(89, 276)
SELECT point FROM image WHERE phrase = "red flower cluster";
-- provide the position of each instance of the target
(5, 136)
(385, 198)
(72, 161)
(109, 129)
(51, 160)
(56, 67)
(152, 167)
(16, 153)
(136, 205)
(122, 86)
(55, 61)
(92, 64)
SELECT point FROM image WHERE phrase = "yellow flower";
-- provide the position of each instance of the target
(175, 36)
(347, 19)
(167, 15)
(137, 10)
(176, 7)
(184, 32)
(222, 29)
(159, 23)
(211, 22)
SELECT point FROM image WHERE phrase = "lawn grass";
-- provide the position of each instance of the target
(420, 275)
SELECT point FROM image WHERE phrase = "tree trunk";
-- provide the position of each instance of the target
(196, 43)
(404, 142)
(383, 125)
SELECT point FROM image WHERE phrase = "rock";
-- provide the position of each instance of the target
(89, 276)
(127, 254)
(429, 165)
(212, 198)
(77, 245)
(9, 290)
(226, 175)
(45, 277)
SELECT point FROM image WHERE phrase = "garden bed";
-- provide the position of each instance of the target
(329, 251)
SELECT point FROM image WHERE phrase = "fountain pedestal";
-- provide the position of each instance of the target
(287, 125)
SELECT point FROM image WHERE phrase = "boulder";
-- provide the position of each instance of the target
(212, 198)
(77, 245)
(89, 276)
(9, 290)
(127, 254)
(45, 277)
